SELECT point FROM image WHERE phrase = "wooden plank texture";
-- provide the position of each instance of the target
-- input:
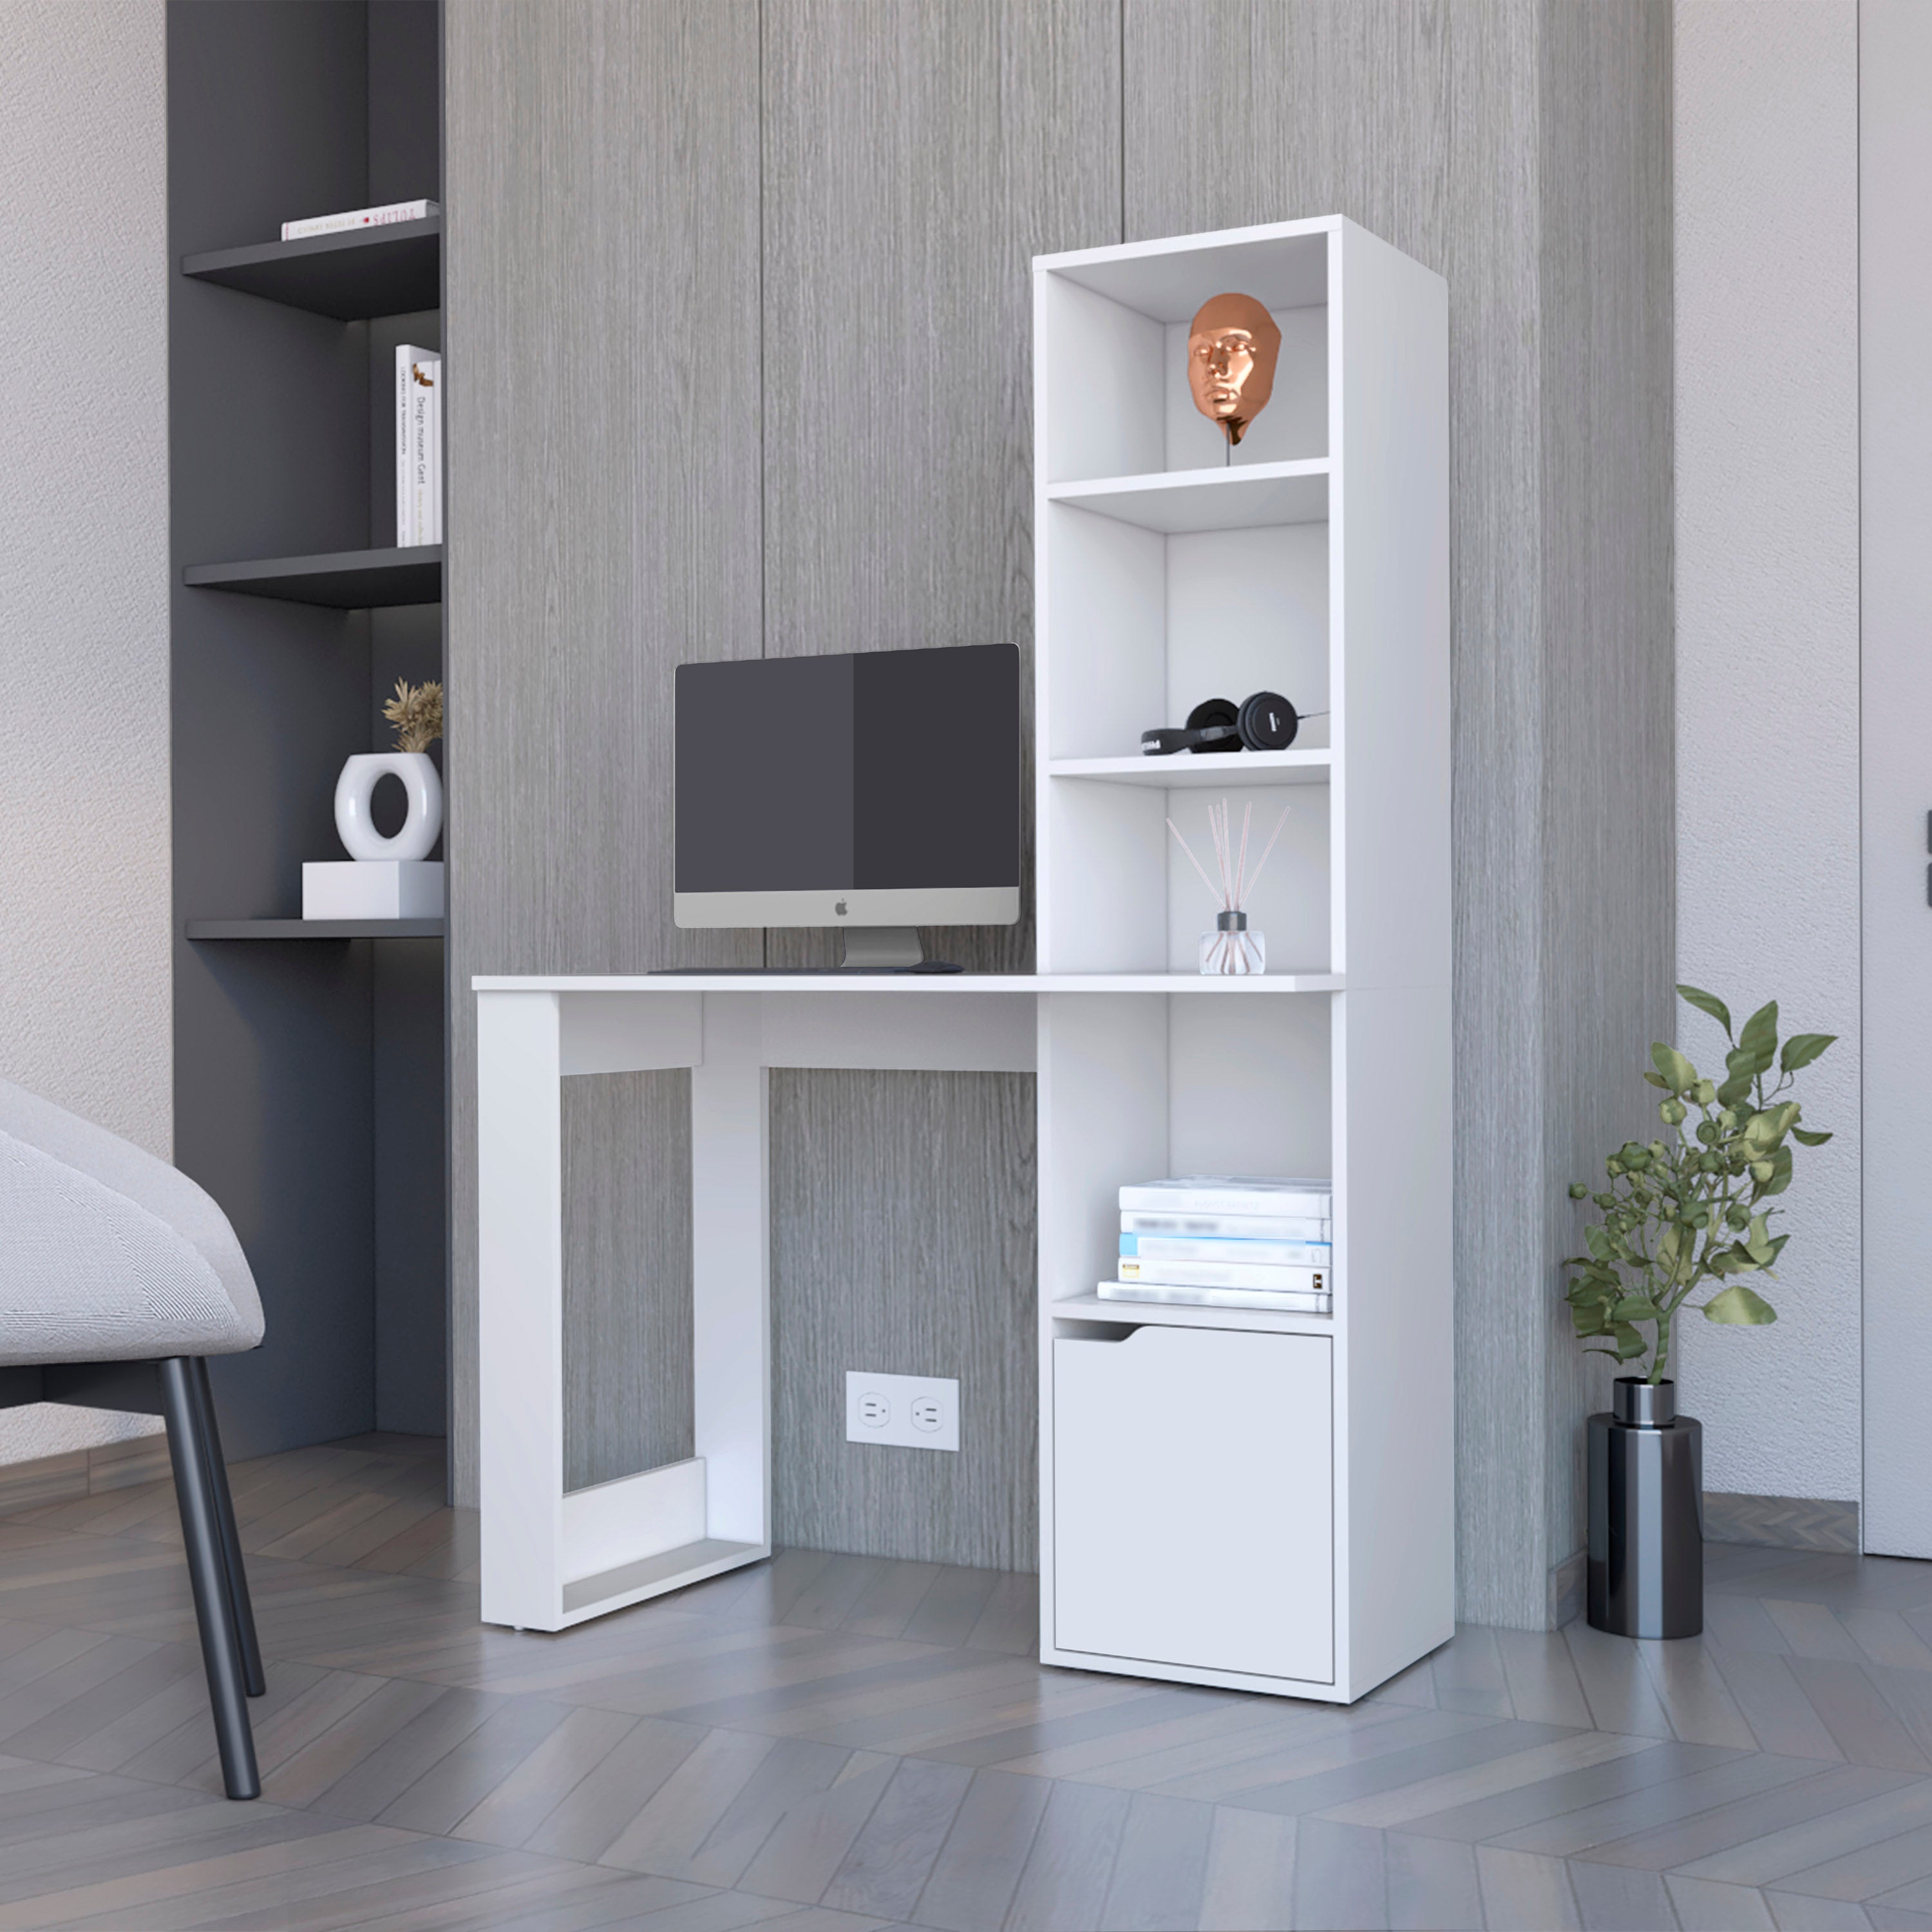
(627, 1310)
(1520, 148)
(757, 1748)
(904, 1207)
(919, 154)
(603, 513)
(857, 187)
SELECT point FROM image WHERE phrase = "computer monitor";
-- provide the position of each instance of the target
(871, 790)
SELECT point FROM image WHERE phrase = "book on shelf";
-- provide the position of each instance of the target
(418, 446)
(359, 217)
(1273, 1277)
(1150, 1248)
(1279, 1302)
(1231, 1194)
(1232, 1227)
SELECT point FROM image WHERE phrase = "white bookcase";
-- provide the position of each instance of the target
(1261, 1501)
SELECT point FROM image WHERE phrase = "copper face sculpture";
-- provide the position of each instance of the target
(1232, 347)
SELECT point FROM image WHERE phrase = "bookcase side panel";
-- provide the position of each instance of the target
(1391, 505)
(1396, 1211)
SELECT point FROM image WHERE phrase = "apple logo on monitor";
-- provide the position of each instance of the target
(840, 908)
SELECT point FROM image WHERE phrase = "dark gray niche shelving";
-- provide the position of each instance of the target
(309, 1056)
(393, 270)
(354, 580)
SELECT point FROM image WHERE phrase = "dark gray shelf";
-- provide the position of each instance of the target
(393, 270)
(347, 580)
(314, 928)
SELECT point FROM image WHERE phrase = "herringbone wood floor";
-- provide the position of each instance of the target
(830, 1742)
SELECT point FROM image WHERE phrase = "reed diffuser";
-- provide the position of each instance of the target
(1231, 949)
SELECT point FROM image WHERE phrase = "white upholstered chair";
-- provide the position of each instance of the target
(118, 1278)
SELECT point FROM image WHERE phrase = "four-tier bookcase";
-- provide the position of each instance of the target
(1258, 1500)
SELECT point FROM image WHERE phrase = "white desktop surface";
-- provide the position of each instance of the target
(550, 1558)
(755, 982)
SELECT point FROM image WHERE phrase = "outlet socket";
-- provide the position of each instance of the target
(908, 1412)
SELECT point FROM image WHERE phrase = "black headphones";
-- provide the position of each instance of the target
(1265, 722)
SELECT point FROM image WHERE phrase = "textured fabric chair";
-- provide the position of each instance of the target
(118, 1278)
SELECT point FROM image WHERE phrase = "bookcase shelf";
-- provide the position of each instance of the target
(349, 580)
(1186, 771)
(314, 928)
(1253, 497)
(1187, 1314)
(393, 270)
(1194, 1459)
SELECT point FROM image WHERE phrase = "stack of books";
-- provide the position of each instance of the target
(418, 446)
(1227, 1241)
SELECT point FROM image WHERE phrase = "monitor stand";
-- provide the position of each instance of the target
(881, 949)
(868, 948)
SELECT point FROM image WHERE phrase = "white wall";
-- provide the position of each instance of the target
(1766, 174)
(85, 979)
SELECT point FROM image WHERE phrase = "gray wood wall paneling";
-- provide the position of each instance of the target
(1505, 144)
(1520, 148)
(603, 515)
(933, 1274)
(1609, 620)
(919, 154)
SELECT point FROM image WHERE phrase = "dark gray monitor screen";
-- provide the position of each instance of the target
(877, 769)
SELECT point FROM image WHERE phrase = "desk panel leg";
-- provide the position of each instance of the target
(730, 1253)
(520, 1310)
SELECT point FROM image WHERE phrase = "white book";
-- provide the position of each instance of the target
(1276, 1277)
(418, 446)
(359, 217)
(406, 519)
(1232, 1194)
(1212, 1248)
(1218, 1297)
(1237, 1227)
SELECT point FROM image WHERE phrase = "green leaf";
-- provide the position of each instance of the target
(1801, 1049)
(1678, 1071)
(1760, 1037)
(1808, 1138)
(1707, 1002)
(1588, 1320)
(1780, 1175)
(1658, 1080)
(1744, 1069)
(1757, 1244)
(1636, 1308)
(1629, 1341)
(1737, 1307)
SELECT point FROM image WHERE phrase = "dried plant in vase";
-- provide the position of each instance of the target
(416, 712)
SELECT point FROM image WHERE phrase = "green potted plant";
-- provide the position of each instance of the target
(1685, 1215)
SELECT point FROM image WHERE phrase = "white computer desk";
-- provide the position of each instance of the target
(550, 1558)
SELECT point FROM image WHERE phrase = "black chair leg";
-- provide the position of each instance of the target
(231, 1541)
(214, 1607)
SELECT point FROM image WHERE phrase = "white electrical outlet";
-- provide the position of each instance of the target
(911, 1411)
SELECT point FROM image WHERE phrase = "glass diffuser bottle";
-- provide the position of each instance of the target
(1231, 949)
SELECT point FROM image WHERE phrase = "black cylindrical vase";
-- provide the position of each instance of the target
(1646, 1515)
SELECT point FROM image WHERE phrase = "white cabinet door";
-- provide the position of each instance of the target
(1193, 1500)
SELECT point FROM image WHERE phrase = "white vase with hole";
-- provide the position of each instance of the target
(354, 789)
(391, 877)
